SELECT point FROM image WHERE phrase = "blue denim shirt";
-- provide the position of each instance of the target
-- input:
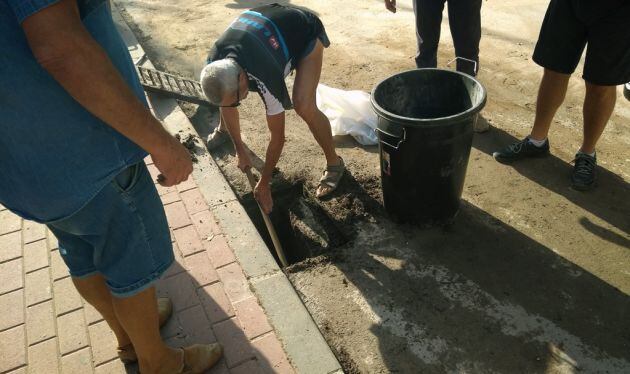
(54, 155)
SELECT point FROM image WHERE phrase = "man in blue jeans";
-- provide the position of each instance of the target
(74, 130)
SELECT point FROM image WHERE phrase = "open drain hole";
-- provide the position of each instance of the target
(303, 227)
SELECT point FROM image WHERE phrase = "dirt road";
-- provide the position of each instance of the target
(533, 277)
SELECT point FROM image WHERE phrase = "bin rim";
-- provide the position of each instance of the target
(428, 122)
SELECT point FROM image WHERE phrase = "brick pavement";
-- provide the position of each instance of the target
(46, 327)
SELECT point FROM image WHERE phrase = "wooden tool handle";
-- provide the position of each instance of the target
(270, 228)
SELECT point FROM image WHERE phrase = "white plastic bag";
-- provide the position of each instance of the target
(349, 112)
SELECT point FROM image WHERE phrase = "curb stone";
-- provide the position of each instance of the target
(302, 341)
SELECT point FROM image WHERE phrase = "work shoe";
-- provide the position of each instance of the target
(200, 357)
(217, 139)
(583, 177)
(520, 150)
(127, 354)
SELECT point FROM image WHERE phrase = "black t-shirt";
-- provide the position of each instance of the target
(267, 41)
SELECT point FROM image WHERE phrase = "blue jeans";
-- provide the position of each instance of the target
(122, 234)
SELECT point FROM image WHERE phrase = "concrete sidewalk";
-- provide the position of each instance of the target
(47, 328)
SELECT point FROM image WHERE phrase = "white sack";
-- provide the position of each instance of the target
(349, 112)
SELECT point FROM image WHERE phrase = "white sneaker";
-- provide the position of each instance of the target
(217, 139)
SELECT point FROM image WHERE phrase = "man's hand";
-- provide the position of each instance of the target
(244, 162)
(390, 5)
(262, 193)
(173, 161)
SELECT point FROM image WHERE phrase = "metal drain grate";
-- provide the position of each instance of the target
(176, 87)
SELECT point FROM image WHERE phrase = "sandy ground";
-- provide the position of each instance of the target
(533, 277)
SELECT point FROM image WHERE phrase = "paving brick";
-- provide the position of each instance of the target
(165, 190)
(219, 368)
(219, 251)
(194, 201)
(9, 222)
(206, 224)
(10, 246)
(215, 302)
(247, 367)
(180, 289)
(170, 197)
(188, 240)
(38, 287)
(91, 314)
(271, 355)
(196, 326)
(33, 231)
(153, 170)
(52, 240)
(12, 348)
(12, 309)
(177, 215)
(252, 317)
(236, 346)
(58, 268)
(21, 370)
(43, 357)
(79, 362)
(35, 256)
(103, 343)
(112, 367)
(40, 322)
(67, 297)
(72, 332)
(187, 185)
(11, 276)
(234, 282)
(200, 269)
(178, 265)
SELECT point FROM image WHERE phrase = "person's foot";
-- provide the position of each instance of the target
(330, 179)
(522, 149)
(583, 177)
(127, 353)
(200, 357)
(217, 139)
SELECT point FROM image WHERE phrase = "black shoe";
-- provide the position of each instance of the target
(522, 149)
(583, 177)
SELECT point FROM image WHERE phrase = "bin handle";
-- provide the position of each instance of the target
(465, 59)
(404, 137)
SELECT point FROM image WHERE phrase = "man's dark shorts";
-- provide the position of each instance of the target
(122, 234)
(602, 25)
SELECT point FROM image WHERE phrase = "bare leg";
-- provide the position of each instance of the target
(138, 315)
(599, 103)
(95, 292)
(551, 94)
(304, 98)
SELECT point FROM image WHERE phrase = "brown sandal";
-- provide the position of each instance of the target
(331, 178)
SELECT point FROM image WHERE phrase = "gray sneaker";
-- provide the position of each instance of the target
(217, 139)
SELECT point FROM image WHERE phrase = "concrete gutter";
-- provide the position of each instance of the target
(302, 341)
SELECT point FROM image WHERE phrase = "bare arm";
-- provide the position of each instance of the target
(73, 58)
(274, 150)
(232, 122)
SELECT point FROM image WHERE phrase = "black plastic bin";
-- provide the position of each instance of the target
(425, 129)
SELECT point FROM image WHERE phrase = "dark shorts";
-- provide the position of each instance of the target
(602, 26)
(122, 234)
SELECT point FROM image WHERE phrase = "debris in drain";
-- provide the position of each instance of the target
(190, 142)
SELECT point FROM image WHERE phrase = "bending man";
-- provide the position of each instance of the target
(257, 51)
